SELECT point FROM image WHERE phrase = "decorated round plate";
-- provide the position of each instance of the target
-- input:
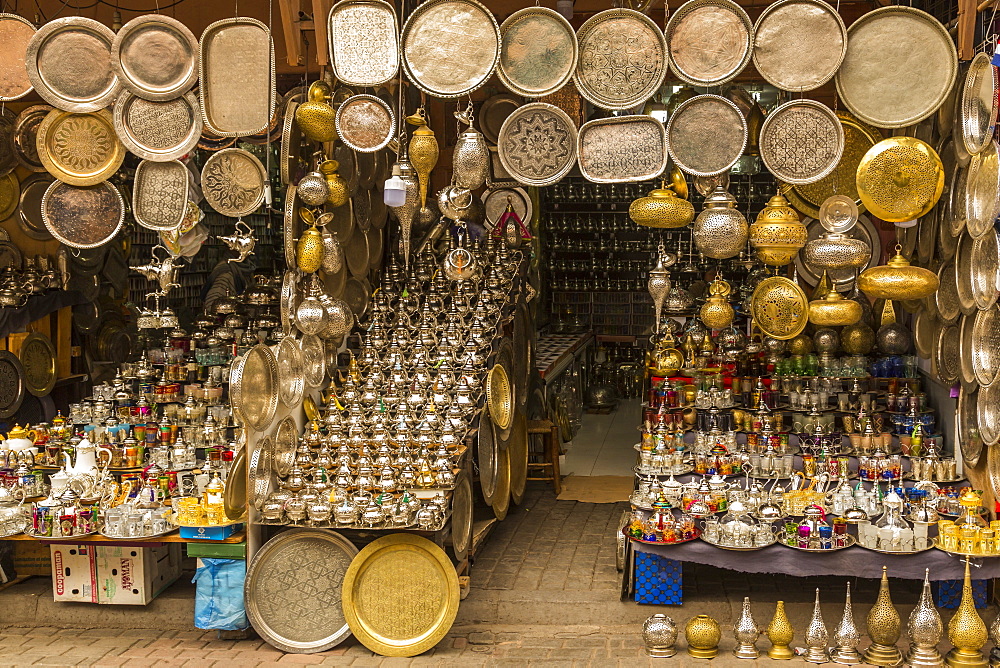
(234, 495)
(708, 41)
(977, 105)
(538, 144)
(313, 360)
(160, 194)
(15, 35)
(501, 497)
(291, 372)
(779, 308)
(158, 131)
(286, 440)
(254, 387)
(10, 193)
(38, 358)
(706, 135)
(969, 440)
(900, 178)
(24, 138)
(498, 397)
(365, 123)
(486, 457)
(12, 383)
(799, 44)
(155, 57)
(801, 141)
(69, 64)
(538, 52)
(982, 183)
(29, 206)
(233, 182)
(83, 217)
(80, 149)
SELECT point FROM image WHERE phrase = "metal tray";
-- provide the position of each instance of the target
(80, 149)
(10, 194)
(708, 41)
(623, 149)
(986, 269)
(538, 52)
(357, 255)
(897, 553)
(15, 35)
(988, 414)
(236, 67)
(260, 472)
(364, 43)
(799, 44)
(963, 274)
(967, 325)
(24, 137)
(156, 57)
(158, 131)
(291, 370)
(946, 354)
(365, 123)
(986, 346)
(68, 62)
(160, 194)
(537, 144)
(38, 358)
(286, 440)
(486, 458)
(12, 385)
(85, 217)
(977, 104)
(233, 182)
(313, 360)
(253, 387)
(739, 549)
(706, 135)
(801, 141)
(982, 206)
(851, 541)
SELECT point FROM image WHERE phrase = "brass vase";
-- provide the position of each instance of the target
(702, 634)
(847, 636)
(780, 633)
(746, 632)
(424, 151)
(925, 629)
(966, 630)
(883, 628)
(817, 636)
(316, 118)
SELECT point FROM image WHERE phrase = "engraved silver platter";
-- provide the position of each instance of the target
(986, 346)
(286, 301)
(799, 44)
(538, 144)
(967, 374)
(450, 47)
(313, 360)
(622, 59)
(357, 255)
(982, 185)
(357, 295)
(977, 104)
(291, 379)
(15, 35)
(495, 202)
(946, 296)
(801, 141)
(538, 52)
(233, 182)
(69, 64)
(253, 387)
(158, 131)
(293, 590)
(955, 212)
(946, 354)
(969, 440)
(83, 216)
(291, 145)
(486, 457)
(899, 68)
(292, 225)
(24, 136)
(622, 149)
(286, 440)
(160, 194)
(260, 472)
(364, 43)
(988, 413)
(365, 123)
(236, 68)
(963, 274)
(155, 57)
(986, 269)
(706, 135)
(12, 385)
(708, 41)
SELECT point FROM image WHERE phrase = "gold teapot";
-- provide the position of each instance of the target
(316, 118)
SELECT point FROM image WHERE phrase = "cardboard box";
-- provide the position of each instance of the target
(211, 533)
(32, 557)
(135, 575)
(74, 573)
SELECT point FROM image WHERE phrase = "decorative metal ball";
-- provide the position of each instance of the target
(857, 339)
(313, 189)
(775, 346)
(777, 233)
(801, 345)
(661, 209)
(720, 230)
(826, 340)
(893, 339)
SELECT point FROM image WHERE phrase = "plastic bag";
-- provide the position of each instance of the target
(218, 602)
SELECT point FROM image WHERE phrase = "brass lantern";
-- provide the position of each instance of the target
(659, 285)
(898, 279)
(720, 230)
(837, 251)
(833, 310)
(662, 209)
(716, 312)
(316, 118)
(778, 234)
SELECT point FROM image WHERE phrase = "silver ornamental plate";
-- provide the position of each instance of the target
(293, 590)
(69, 63)
(706, 135)
(365, 123)
(24, 139)
(291, 378)
(622, 149)
(486, 457)
(495, 202)
(286, 440)
(799, 44)
(233, 182)
(12, 384)
(160, 194)
(292, 225)
(159, 131)
(982, 183)
(313, 360)
(801, 141)
(15, 35)
(538, 144)
(83, 216)
(538, 52)
(622, 60)
(254, 387)
(708, 41)
(977, 111)
(364, 43)
(155, 57)
(899, 67)
(450, 47)
(236, 68)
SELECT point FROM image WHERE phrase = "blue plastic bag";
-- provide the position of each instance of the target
(218, 602)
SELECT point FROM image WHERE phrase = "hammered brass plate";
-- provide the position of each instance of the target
(969, 440)
(501, 497)
(706, 135)
(450, 47)
(11, 383)
(988, 415)
(900, 66)
(15, 35)
(69, 64)
(779, 308)
(538, 52)
(83, 217)
(708, 41)
(24, 138)
(365, 123)
(286, 440)
(155, 57)
(900, 179)
(158, 131)
(364, 42)
(799, 44)
(986, 269)
(253, 387)
(234, 495)
(801, 141)
(977, 104)
(622, 149)
(982, 185)
(160, 194)
(80, 149)
(233, 182)
(538, 144)
(517, 452)
(487, 457)
(236, 68)
(38, 357)
(499, 397)
(291, 372)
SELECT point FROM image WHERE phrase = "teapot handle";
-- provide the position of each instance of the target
(23, 491)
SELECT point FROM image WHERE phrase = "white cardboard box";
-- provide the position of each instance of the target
(135, 575)
(74, 575)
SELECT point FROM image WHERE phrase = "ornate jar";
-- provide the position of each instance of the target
(720, 230)
(716, 312)
(313, 189)
(659, 633)
(777, 234)
(334, 183)
(702, 634)
(472, 159)
(780, 633)
(662, 209)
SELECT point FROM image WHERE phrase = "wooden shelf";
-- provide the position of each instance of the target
(238, 537)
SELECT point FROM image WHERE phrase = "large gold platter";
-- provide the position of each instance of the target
(708, 41)
(15, 35)
(622, 149)
(233, 182)
(499, 397)
(159, 131)
(365, 123)
(900, 179)
(69, 64)
(501, 497)
(799, 44)
(83, 217)
(400, 595)
(160, 194)
(38, 357)
(538, 52)
(517, 453)
(450, 47)
(801, 141)
(10, 194)
(155, 57)
(706, 135)
(899, 68)
(253, 387)
(622, 59)
(977, 104)
(234, 495)
(236, 68)
(780, 308)
(364, 42)
(80, 149)
(537, 144)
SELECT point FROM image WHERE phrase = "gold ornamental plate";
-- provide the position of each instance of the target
(259, 470)
(986, 346)
(538, 52)
(159, 131)
(286, 440)
(537, 144)
(365, 123)
(801, 141)
(24, 138)
(499, 397)
(982, 183)
(988, 414)
(10, 194)
(799, 44)
(234, 495)
(293, 590)
(622, 149)
(706, 135)
(779, 308)
(236, 68)
(450, 47)
(501, 497)
(160, 194)
(253, 387)
(977, 104)
(708, 41)
(233, 182)
(155, 57)
(38, 357)
(400, 595)
(83, 217)
(364, 42)
(69, 64)
(80, 149)
(899, 67)
(622, 60)
(900, 179)
(517, 452)
(15, 35)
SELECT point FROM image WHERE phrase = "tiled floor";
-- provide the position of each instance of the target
(603, 446)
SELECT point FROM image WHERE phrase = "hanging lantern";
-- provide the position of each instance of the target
(335, 185)
(661, 209)
(423, 151)
(857, 339)
(837, 251)
(309, 248)
(834, 311)
(405, 212)
(716, 312)
(777, 234)
(720, 230)
(316, 118)
(658, 285)
(898, 279)
(471, 160)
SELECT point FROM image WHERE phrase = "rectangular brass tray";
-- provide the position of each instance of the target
(622, 149)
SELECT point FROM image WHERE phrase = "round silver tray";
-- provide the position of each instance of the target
(131, 538)
(851, 541)
(639, 472)
(73, 537)
(895, 552)
(739, 549)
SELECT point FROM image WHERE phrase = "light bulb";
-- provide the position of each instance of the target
(394, 193)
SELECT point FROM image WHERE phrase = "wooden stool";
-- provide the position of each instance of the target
(550, 456)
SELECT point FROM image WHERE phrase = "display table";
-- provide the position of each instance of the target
(555, 352)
